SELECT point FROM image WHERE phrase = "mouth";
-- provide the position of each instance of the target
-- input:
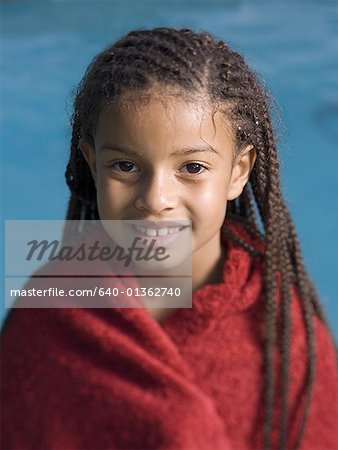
(158, 231)
(161, 235)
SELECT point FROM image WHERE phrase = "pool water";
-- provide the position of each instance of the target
(46, 46)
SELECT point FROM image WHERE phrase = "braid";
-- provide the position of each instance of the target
(188, 63)
(286, 270)
(247, 210)
(308, 295)
(271, 223)
(82, 202)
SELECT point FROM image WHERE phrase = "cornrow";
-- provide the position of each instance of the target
(189, 63)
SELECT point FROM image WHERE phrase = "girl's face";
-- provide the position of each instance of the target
(168, 160)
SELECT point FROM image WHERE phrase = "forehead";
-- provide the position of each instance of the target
(163, 121)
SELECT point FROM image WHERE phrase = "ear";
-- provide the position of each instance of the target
(88, 153)
(241, 171)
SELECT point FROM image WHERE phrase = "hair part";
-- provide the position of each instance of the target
(196, 63)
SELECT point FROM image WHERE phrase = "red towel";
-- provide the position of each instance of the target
(116, 379)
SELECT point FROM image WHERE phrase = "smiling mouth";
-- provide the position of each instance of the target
(157, 232)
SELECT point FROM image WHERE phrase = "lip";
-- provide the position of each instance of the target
(160, 223)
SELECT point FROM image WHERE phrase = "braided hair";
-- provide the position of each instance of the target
(196, 62)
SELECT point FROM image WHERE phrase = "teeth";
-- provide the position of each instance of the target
(173, 230)
(162, 231)
(151, 232)
(157, 232)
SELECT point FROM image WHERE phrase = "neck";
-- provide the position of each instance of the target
(208, 270)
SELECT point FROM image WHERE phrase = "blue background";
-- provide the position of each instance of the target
(46, 47)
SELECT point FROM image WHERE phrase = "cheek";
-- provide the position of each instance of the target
(213, 192)
(111, 198)
(207, 213)
(211, 198)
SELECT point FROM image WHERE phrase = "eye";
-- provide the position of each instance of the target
(194, 168)
(124, 166)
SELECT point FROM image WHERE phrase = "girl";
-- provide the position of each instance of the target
(172, 124)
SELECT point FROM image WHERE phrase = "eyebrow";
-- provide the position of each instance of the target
(200, 148)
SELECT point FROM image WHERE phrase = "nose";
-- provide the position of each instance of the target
(156, 194)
